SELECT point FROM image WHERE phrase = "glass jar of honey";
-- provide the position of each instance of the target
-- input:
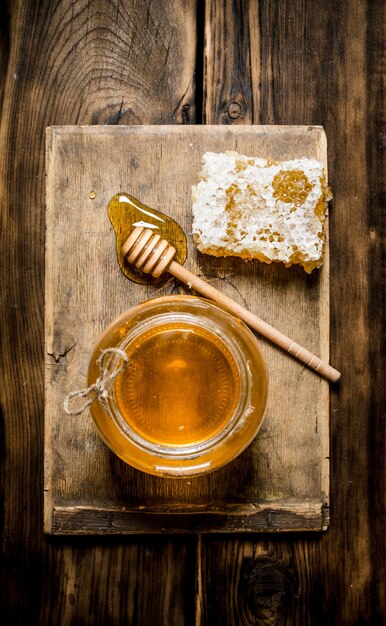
(192, 394)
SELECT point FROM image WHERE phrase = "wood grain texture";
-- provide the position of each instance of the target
(272, 517)
(86, 291)
(312, 62)
(99, 583)
(73, 62)
(312, 70)
(231, 62)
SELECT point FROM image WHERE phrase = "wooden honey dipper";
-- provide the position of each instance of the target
(153, 255)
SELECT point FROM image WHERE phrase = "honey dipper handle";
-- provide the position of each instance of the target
(274, 335)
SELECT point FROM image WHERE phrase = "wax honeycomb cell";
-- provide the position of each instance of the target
(259, 208)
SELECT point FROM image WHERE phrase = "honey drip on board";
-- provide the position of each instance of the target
(168, 394)
(126, 212)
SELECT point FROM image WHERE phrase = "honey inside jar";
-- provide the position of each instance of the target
(193, 391)
(180, 386)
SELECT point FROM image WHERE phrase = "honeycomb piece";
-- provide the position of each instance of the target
(257, 208)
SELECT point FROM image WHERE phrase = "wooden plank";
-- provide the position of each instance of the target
(232, 51)
(118, 582)
(273, 516)
(376, 224)
(312, 70)
(309, 71)
(85, 291)
(261, 582)
(80, 62)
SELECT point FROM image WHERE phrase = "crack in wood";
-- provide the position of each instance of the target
(62, 355)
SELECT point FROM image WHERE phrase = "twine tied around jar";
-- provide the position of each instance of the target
(100, 389)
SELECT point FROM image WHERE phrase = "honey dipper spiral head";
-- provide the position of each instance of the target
(148, 251)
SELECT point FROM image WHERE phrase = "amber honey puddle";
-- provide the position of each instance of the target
(181, 385)
(125, 212)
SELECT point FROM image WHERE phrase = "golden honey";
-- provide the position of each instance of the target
(193, 392)
(169, 365)
(291, 186)
(126, 212)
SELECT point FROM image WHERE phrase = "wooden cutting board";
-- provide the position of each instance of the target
(281, 482)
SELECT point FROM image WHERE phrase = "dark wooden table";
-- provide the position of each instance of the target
(137, 61)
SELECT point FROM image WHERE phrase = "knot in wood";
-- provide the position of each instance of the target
(234, 110)
(268, 590)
